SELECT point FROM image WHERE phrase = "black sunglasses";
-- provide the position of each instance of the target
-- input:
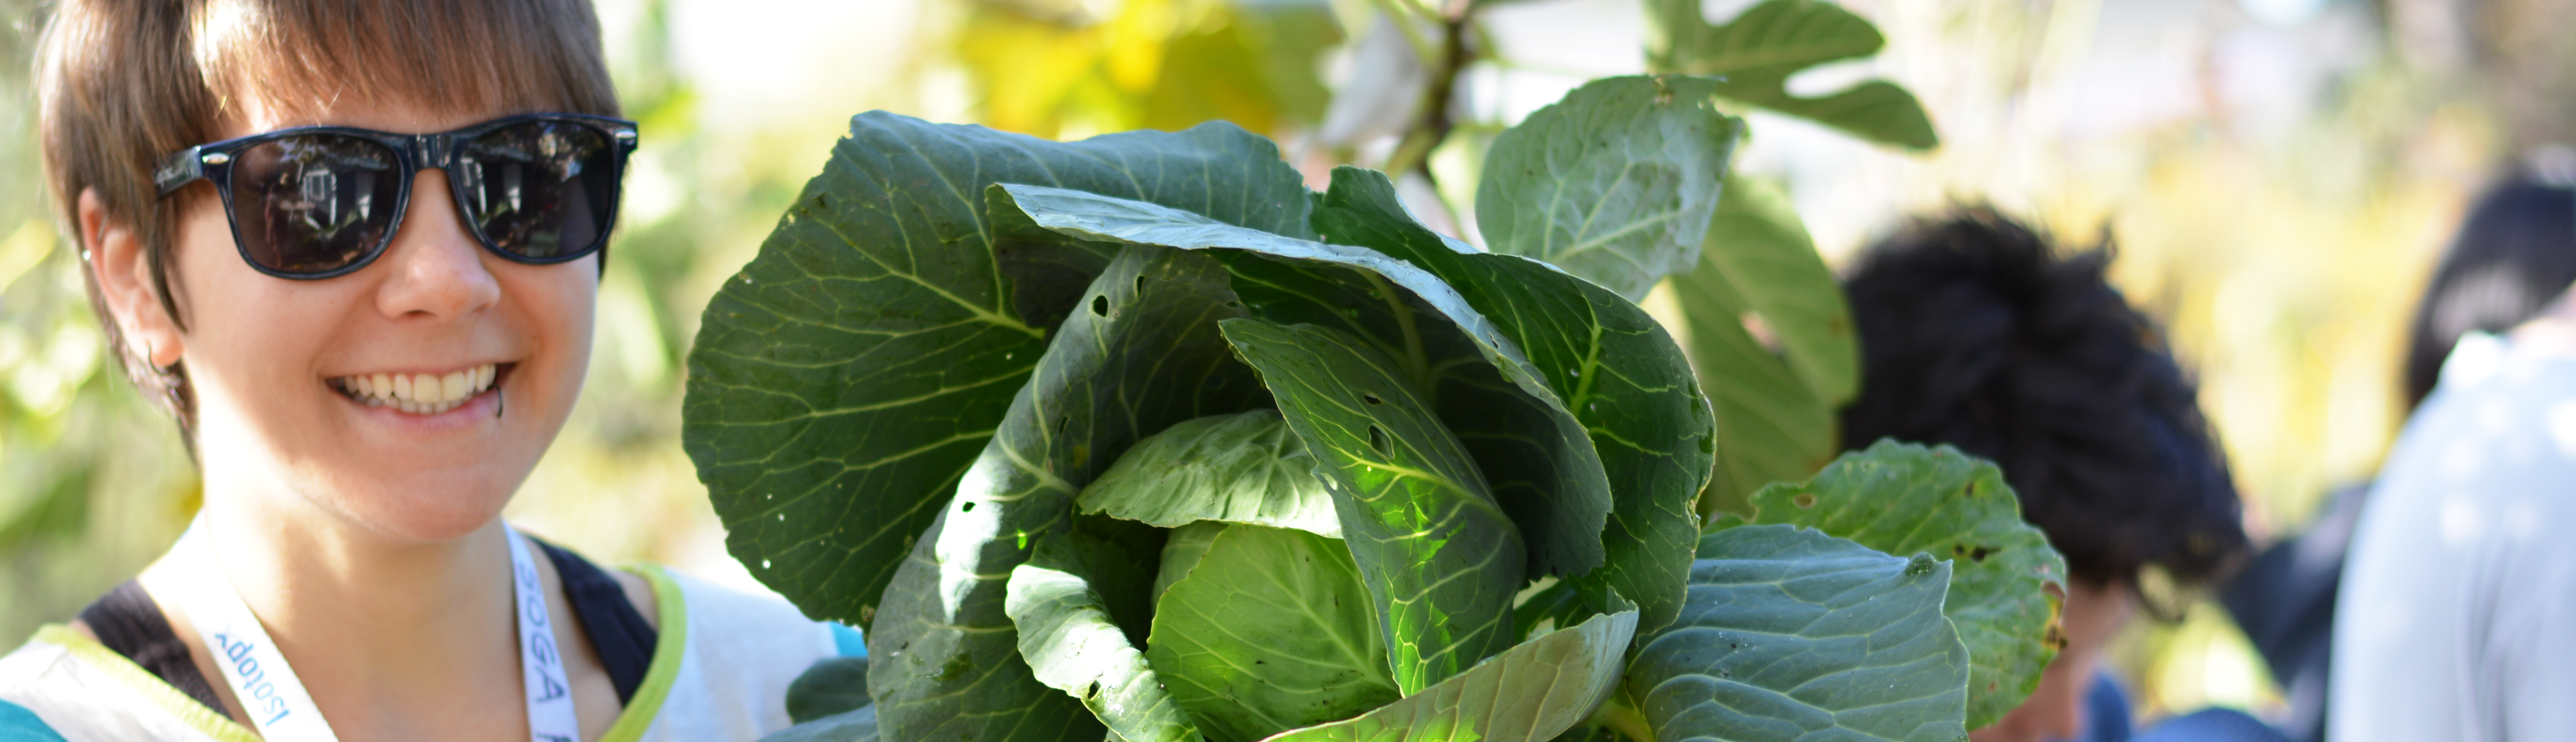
(325, 200)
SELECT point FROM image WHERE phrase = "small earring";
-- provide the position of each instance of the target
(150, 354)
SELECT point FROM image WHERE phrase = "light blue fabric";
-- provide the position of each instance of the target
(2451, 621)
(17, 724)
(2212, 725)
(848, 640)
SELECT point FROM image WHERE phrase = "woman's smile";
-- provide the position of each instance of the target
(421, 393)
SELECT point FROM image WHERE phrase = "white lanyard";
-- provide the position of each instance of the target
(275, 699)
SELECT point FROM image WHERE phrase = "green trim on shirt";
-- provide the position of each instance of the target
(153, 688)
(667, 651)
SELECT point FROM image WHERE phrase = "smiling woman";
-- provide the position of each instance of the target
(401, 226)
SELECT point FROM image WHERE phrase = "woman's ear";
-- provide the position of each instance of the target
(123, 270)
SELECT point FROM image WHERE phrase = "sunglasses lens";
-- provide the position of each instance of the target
(541, 190)
(315, 203)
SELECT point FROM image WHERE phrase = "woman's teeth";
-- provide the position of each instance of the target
(420, 394)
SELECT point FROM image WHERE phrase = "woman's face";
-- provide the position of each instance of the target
(273, 360)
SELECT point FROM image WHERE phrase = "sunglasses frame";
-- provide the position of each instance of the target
(413, 153)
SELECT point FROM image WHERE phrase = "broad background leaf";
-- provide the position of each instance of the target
(1902, 498)
(1530, 693)
(1758, 247)
(1755, 54)
(1532, 449)
(843, 381)
(1142, 353)
(1072, 643)
(1438, 555)
(1791, 634)
(1775, 411)
(1614, 183)
(1770, 427)
(1244, 468)
(1271, 631)
(1616, 370)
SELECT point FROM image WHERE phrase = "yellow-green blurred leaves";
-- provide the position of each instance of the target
(42, 362)
(1058, 69)
(23, 250)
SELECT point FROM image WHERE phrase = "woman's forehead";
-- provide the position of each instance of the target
(254, 114)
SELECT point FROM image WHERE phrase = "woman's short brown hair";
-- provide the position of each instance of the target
(122, 83)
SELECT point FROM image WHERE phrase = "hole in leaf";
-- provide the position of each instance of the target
(969, 507)
(1140, 284)
(1804, 500)
(1092, 692)
(1371, 399)
(1377, 440)
(1100, 305)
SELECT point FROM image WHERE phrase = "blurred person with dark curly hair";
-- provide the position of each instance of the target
(1975, 332)
(2460, 583)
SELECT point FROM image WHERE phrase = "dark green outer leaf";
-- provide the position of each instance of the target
(1243, 468)
(1758, 246)
(1770, 427)
(845, 379)
(1073, 645)
(1530, 693)
(1438, 555)
(1754, 56)
(1276, 633)
(1618, 372)
(1615, 183)
(830, 687)
(1791, 634)
(1142, 354)
(852, 726)
(1532, 449)
(1903, 498)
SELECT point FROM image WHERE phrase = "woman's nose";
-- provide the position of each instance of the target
(437, 265)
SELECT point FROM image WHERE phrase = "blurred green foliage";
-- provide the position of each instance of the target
(93, 483)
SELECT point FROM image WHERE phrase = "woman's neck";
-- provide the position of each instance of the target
(309, 574)
(382, 632)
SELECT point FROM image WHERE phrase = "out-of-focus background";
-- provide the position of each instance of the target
(2279, 176)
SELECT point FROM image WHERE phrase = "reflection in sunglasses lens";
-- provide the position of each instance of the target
(313, 203)
(540, 189)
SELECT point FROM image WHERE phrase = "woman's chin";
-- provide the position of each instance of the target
(431, 514)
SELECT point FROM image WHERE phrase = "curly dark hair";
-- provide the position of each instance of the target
(1974, 332)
